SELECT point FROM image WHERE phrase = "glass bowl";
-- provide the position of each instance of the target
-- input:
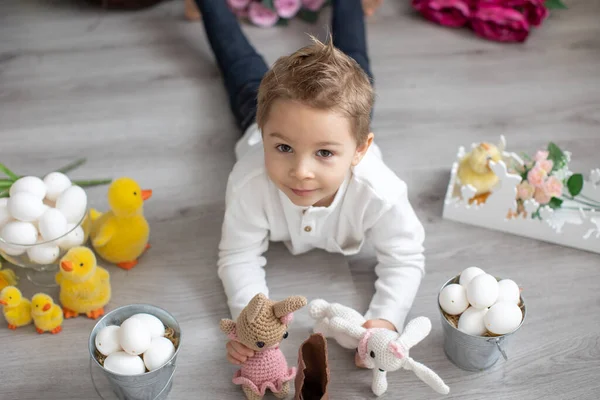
(41, 260)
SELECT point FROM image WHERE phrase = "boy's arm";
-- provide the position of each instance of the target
(398, 237)
(244, 239)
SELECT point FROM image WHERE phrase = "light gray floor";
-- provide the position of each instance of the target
(138, 94)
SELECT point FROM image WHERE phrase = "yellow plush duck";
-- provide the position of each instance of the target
(474, 169)
(120, 236)
(7, 277)
(84, 286)
(47, 316)
(17, 310)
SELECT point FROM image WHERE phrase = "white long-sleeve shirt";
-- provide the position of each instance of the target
(371, 204)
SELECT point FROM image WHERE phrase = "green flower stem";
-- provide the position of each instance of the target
(96, 182)
(596, 206)
(72, 166)
(8, 172)
(4, 193)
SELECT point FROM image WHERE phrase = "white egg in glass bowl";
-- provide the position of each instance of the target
(35, 235)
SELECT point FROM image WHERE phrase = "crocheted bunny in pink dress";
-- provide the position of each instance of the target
(261, 326)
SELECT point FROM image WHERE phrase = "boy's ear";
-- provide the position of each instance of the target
(361, 150)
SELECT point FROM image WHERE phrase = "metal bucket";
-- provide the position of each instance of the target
(154, 385)
(474, 353)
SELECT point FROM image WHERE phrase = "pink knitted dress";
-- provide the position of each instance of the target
(268, 369)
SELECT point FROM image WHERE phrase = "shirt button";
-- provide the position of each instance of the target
(307, 229)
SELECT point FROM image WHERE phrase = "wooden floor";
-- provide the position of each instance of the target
(138, 94)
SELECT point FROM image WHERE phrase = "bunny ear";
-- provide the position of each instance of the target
(398, 350)
(428, 376)
(255, 306)
(415, 331)
(288, 306)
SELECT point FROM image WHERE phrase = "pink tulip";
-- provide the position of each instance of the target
(287, 8)
(238, 4)
(525, 191)
(541, 196)
(500, 24)
(541, 155)
(313, 5)
(451, 13)
(261, 15)
(534, 10)
(546, 165)
(553, 187)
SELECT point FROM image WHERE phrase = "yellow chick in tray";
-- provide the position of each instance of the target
(16, 310)
(474, 169)
(47, 316)
(84, 286)
(120, 236)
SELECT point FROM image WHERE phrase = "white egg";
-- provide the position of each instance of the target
(53, 224)
(107, 340)
(509, 291)
(72, 203)
(56, 183)
(43, 254)
(4, 214)
(153, 324)
(122, 363)
(134, 337)
(503, 318)
(471, 321)
(75, 237)
(12, 250)
(482, 291)
(18, 232)
(29, 184)
(468, 274)
(25, 206)
(161, 350)
(453, 299)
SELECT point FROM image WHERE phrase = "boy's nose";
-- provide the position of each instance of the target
(302, 170)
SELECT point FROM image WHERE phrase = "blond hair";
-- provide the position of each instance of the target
(323, 77)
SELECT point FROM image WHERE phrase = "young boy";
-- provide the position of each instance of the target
(308, 173)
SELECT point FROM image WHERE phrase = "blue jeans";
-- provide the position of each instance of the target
(243, 68)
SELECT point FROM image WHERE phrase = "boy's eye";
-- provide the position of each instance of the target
(324, 153)
(284, 148)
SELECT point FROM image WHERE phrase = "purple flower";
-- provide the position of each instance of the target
(238, 4)
(261, 15)
(313, 5)
(287, 8)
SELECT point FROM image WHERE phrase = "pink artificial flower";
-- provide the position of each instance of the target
(313, 5)
(238, 4)
(525, 191)
(451, 13)
(287, 8)
(535, 11)
(541, 196)
(546, 165)
(261, 15)
(500, 23)
(541, 155)
(536, 177)
(553, 187)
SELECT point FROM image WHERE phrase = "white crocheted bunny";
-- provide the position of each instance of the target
(382, 350)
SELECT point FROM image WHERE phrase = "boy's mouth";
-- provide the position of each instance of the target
(299, 192)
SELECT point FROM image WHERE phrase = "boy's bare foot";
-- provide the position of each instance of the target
(370, 6)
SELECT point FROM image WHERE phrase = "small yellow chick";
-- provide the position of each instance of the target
(120, 236)
(84, 286)
(17, 310)
(7, 277)
(47, 316)
(474, 170)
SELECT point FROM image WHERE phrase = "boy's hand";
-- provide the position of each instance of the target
(237, 353)
(373, 323)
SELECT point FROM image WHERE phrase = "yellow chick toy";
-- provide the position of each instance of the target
(7, 277)
(474, 170)
(120, 235)
(84, 286)
(17, 310)
(47, 316)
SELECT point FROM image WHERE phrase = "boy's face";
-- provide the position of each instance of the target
(308, 152)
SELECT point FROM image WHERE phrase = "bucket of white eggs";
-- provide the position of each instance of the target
(479, 313)
(135, 347)
(40, 221)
